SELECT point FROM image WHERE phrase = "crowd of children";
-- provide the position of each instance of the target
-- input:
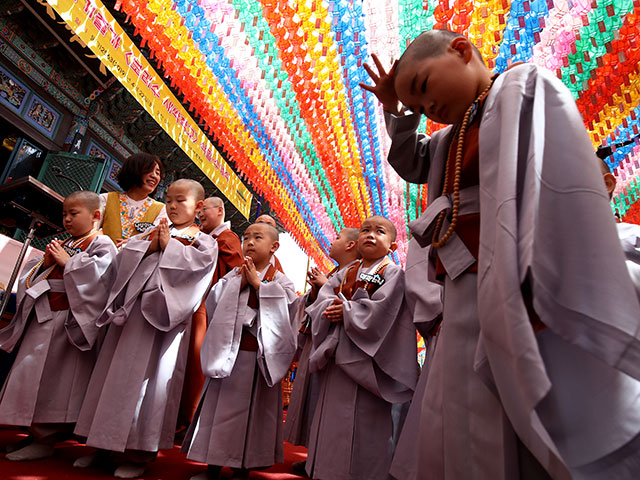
(516, 277)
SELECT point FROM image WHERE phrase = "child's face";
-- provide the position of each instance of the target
(374, 241)
(182, 206)
(77, 219)
(150, 180)
(441, 87)
(339, 246)
(258, 244)
(210, 216)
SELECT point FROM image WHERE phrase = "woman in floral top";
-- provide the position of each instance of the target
(130, 213)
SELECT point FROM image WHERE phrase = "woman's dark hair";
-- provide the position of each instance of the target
(135, 166)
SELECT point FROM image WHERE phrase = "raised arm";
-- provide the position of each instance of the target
(409, 153)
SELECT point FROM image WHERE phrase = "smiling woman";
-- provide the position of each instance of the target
(127, 214)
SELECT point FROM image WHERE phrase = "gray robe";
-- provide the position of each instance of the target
(304, 396)
(134, 393)
(425, 304)
(629, 235)
(48, 380)
(365, 364)
(545, 219)
(238, 422)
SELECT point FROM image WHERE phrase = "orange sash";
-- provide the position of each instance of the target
(351, 282)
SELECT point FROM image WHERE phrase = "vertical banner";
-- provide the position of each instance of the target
(96, 27)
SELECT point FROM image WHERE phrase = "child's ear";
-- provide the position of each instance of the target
(392, 247)
(199, 205)
(97, 216)
(350, 245)
(275, 246)
(610, 182)
(462, 47)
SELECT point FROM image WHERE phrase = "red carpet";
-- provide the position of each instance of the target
(170, 465)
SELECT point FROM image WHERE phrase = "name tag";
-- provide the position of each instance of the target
(188, 238)
(142, 226)
(71, 251)
(376, 279)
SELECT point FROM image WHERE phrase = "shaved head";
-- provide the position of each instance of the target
(350, 233)
(271, 231)
(268, 219)
(431, 43)
(90, 200)
(194, 187)
(214, 202)
(393, 233)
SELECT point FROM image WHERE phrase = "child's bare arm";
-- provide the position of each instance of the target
(383, 87)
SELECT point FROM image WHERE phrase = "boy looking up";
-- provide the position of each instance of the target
(364, 353)
(132, 401)
(534, 277)
(247, 350)
(269, 220)
(60, 296)
(304, 396)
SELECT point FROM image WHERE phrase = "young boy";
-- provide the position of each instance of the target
(248, 348)
(525, 244)
(134, 393)
(364, 353)
(269, 220)
(60, 296)
(229, 256)
(304, 396)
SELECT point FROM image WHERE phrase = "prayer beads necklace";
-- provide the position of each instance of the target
(462, 130)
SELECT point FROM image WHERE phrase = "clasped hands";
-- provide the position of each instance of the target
(55, 253)
(160, 237)
(249, 274)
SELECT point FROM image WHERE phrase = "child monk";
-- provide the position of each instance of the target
(133, 397)
(269, 220)
(304, 396)
(229, 256)
(60, 297)
(364, 353)
(248, 348)
(540, 317)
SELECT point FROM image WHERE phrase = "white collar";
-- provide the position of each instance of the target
(220, 228)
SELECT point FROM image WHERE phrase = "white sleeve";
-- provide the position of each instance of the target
(103, 205)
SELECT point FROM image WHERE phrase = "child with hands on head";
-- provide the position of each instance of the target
(164, 276)
(247, 350)
(523, 331)
(60, 296)
(364, 354)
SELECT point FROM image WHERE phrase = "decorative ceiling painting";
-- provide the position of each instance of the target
(275, 84)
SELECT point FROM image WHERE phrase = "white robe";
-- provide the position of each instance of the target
(545, 217)
(134, 393)
(238, 422)
(364, 365)
(49, 377)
